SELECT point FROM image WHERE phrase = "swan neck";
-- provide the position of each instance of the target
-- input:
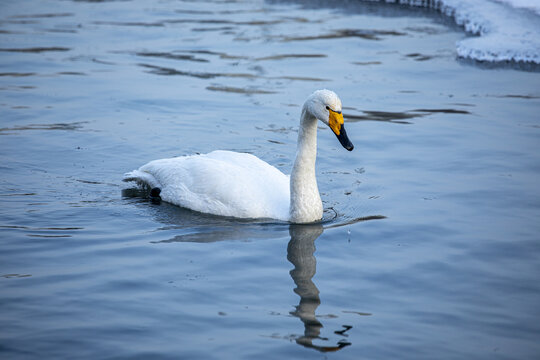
(306, 151)
(306, 205)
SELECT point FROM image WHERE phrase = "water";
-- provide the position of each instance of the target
(429, 248)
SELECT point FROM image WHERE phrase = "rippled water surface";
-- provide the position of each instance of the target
(429, 248)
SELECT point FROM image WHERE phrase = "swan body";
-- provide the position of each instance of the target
(222, 183)
(241, 185)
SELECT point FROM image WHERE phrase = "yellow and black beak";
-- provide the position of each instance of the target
(336, 123)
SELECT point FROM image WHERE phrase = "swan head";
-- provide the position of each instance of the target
(325, 105)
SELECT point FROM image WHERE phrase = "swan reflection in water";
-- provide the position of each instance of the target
(300, 252)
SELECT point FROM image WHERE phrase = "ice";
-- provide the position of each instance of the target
(533, 5)
(506, 30)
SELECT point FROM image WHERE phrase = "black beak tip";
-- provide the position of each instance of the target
(344, 140)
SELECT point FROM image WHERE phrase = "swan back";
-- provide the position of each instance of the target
(222, 183)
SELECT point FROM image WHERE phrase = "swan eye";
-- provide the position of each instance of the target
(332, 110)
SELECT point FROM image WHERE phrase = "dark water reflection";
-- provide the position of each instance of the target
(300, 252)
(195, 227)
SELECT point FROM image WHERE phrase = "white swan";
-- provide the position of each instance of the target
(241, 185)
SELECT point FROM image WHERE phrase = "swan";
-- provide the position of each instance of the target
(241, 185)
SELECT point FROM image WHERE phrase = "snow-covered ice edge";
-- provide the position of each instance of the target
(506, 30)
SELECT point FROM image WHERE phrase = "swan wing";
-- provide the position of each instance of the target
(221, 183)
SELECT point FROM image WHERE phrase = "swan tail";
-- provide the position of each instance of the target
(142, 178)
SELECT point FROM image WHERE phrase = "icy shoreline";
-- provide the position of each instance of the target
(508, 30)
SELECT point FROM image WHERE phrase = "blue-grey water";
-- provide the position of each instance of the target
(430, 247)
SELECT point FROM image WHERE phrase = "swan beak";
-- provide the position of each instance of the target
(336, 123)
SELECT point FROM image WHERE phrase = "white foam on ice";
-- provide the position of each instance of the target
(507, 30)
